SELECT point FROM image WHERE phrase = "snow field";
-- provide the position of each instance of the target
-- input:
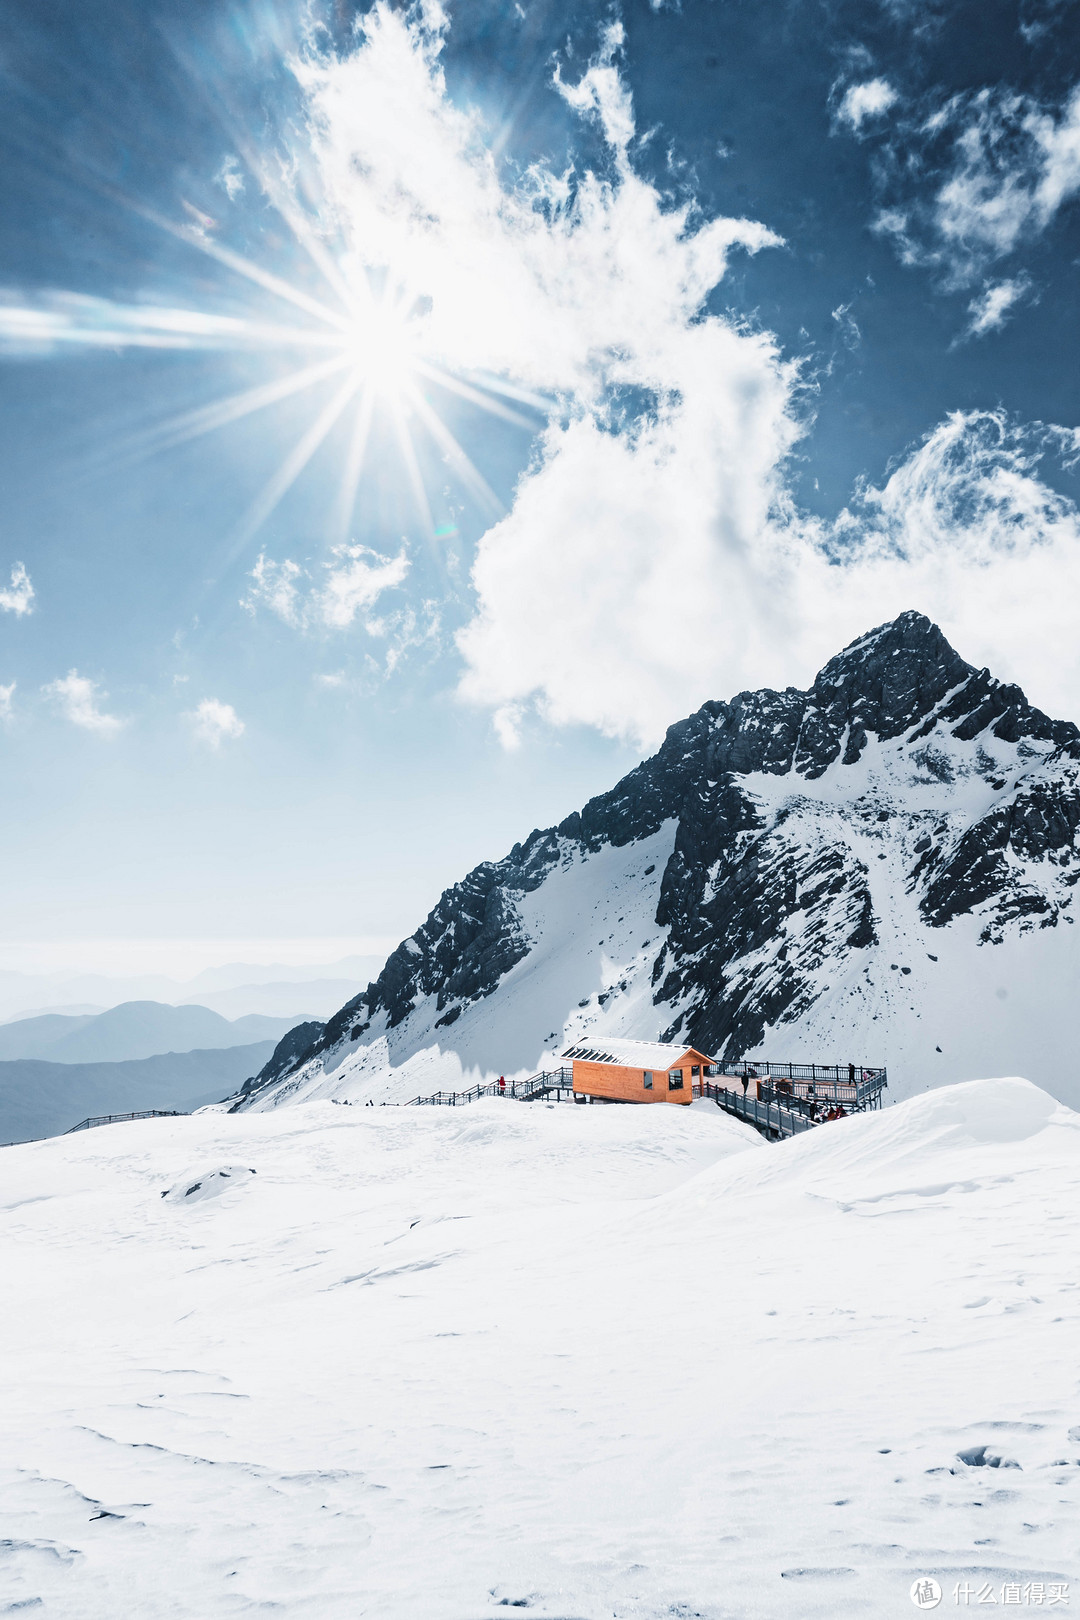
(599, 1362)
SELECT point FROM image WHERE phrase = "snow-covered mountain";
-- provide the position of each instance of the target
(880, 869)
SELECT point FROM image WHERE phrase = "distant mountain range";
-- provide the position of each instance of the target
(43, 1099)
(135, 1029)
(234, 989)
(318, 997)
(880, 869)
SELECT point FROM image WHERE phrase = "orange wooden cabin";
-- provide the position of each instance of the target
(637, 1071)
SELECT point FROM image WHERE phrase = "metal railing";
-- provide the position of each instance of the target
(767, 1116)
(552, 1081)
(782, 1097)
(112, 1119)
(854, 1084)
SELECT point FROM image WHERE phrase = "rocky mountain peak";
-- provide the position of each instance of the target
(745, 892)
(901, 678)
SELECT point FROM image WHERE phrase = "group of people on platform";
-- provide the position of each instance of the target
(783, 1092)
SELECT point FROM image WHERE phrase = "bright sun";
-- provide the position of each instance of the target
(361, 349)
(383, 346)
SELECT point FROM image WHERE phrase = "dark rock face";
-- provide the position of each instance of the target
(768, 885)
(292, 1048)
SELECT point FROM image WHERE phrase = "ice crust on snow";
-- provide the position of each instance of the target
(597, 1361)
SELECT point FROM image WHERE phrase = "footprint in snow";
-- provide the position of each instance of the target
(986, 1457)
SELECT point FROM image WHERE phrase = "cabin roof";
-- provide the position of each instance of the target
(629, 1054)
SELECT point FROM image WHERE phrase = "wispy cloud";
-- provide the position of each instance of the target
(847, 327)
(1038, 18)
(602, 92)
(230, 177)
(406, 631)
(991, 309)
(214, 722)
(7, 693)
(80, 698)
(354, 581)
(1003, 164)
(865, 102)
(18, 598)
(342, 590)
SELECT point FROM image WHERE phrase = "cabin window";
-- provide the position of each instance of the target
(648, 1079)
(674, 1080)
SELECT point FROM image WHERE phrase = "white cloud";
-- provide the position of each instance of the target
(79, 699)
(967, 531)
(1038, 18)
(601, 91)
(507, 722)
(1058, 142)
(7, 693)
(350, 583)
(869, 100)
(652, 556)
(652, 484)
(406, 631)
(1011, 165)
(230, 177)
(276, 586)
(601, 594)
(566, 282)
(213, 722)
(19, 596)
(635, 618)
(991, 309)
(354, 581)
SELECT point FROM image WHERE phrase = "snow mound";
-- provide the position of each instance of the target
(208, 1184)
(987, 1118)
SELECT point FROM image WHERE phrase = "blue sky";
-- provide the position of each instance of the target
(688, 342)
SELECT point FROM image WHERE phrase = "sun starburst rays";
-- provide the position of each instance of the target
(367, 337)
(293, 465)
(378, 338)
(353, 468)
